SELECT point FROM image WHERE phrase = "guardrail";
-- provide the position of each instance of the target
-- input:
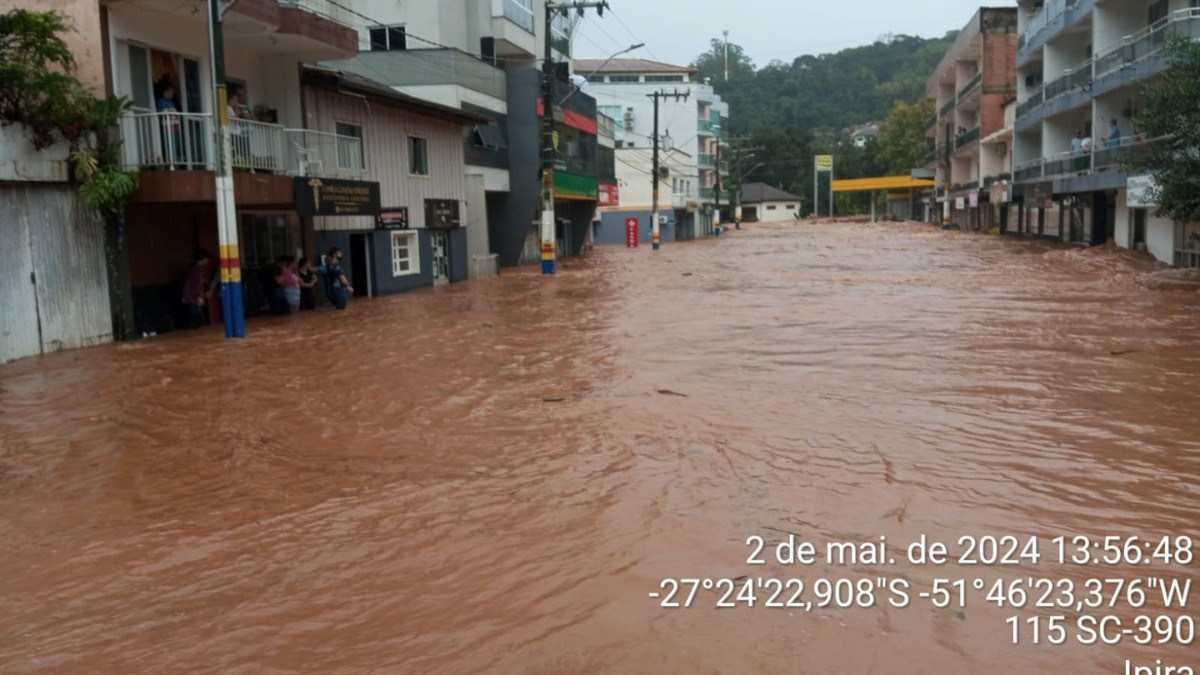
(1116, 153)
(1075, 78)
(334, 11)
(706, 160)
(167, 140)
(1036, 98)
(519, 12)
(321, 153)
(970, 86)
(966, 138)
(1074, 162)
(1026, 171)
(1149, 41)
(948, 106)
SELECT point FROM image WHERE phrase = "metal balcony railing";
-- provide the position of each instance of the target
(1027, 171)
(1036, 98)
(1117, 153)
(970, 86)
(1074, 162)
(966, 138)
(321, 153)
(164, 140)
(1149, 41)
(167, 140)
(1076, 78)
(1049, 12)
(706, 160)
(705, 126)
(989, 181)
(947, 107)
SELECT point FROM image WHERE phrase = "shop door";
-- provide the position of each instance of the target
(360, 264)
(441, 256)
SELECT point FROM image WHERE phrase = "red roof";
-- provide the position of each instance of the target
(585, 66)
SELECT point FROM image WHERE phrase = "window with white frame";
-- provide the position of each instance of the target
(405, 254)
(349, 146)
(418, 156)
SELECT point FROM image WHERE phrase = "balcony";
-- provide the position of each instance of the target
(1049, 21)
(427, 73)
(947, 107)
(965, 187)
(185, 141)
(970, 86)
(706, 160)
(705, 126)
(966, 138)
(1069, 163)
(1036, 98)
(1149, 41)
(330, 11)
(1029, 171)
(1120, 153)
(989, 181)
(1076, 78)
(514, 26)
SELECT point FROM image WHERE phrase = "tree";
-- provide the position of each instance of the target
(902, 141)
(39, 91)
(37, 87)
(1171, 113)
(711, 63)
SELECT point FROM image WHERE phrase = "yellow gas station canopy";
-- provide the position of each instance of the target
(880, 183)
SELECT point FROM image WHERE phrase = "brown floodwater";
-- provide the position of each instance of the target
(494, 476)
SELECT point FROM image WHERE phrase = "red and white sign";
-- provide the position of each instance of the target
(631, 232)
(610, 194)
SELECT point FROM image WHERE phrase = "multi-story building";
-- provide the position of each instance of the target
(678, 195)
(484, 58)
(315, 155)
(971, 88)
(1081, 67)
(692, 126)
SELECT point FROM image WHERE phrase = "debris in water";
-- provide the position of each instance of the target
(668, 392)
(1122, 352)
(554, 399)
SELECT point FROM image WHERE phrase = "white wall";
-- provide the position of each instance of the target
(1160, 237)
(20, 161)
(1122, 223)
(782, 211)
(1112, 21)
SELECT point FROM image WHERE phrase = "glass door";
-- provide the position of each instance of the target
(441, 256)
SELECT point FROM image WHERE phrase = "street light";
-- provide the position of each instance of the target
(630, 48)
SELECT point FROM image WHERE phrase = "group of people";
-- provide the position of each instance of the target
(1082, 142)
(291, 285)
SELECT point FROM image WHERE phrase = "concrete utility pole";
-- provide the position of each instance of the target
(655, 229)
(233, 312)
(726, 33)
(717, 213)
(549, 152)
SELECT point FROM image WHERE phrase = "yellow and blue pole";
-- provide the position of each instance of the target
(233, 312)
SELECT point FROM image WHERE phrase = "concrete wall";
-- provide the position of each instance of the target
(54, 283)
(1160, 237)
(774, 212)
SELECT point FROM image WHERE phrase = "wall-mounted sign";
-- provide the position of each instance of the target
(393, 218)
(333, 197)
(610, 194)
(441, 214)
(1142, 192)
(999, 194)
(973, 198)
(632, 235)
(960, 203)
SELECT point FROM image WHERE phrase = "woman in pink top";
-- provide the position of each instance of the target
(289, 282)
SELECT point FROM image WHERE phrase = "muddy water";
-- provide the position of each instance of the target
(487, 477)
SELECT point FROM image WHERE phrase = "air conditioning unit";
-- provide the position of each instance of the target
(629, 119)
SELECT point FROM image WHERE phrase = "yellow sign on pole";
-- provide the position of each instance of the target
(824, 162)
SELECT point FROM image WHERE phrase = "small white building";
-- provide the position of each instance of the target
(762, 203)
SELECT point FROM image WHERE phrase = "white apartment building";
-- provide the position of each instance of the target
(1081, 65)
(692, 126)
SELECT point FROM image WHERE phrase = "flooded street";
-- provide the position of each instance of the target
(493, 476)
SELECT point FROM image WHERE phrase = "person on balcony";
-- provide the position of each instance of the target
(1077, 142)
(172, 125)
(1087, 144)
(1114, 134)
(239, 131)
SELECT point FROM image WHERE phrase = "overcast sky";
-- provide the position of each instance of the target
(677, 31)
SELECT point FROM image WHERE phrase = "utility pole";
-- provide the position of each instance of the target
(726, 33)
(717, 213)
(233, 312)
(549, 151)
(655, 228)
